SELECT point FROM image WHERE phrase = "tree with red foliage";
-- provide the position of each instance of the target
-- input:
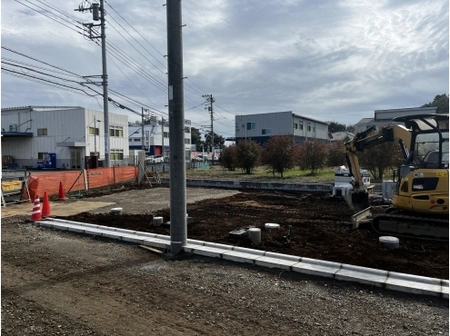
(228, 157)
(278, 154)
(247, 154)
(312, 155)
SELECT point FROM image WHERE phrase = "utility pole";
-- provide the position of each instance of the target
(211, 100)
(178, 226)
(98, 13)
(142, 121)
(162, 136)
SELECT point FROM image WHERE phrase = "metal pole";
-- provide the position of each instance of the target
(105, 84)
(142, 137)
(95, 136)
(162, 135)
(212, 128)
(178, 227)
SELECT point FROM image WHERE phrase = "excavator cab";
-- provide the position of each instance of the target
(420, 204)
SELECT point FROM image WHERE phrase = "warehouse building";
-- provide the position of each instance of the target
(260, 127)
(384, 117)
(67, 137)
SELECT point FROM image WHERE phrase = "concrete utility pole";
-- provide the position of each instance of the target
(162, 136)
(99, 14)
(211, 100)
(178, 227)
(142, 121)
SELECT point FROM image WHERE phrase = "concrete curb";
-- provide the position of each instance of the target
(343, 272)
(305, 187)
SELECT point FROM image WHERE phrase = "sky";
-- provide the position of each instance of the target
(330, 60)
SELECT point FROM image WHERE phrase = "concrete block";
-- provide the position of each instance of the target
(219, 246)
(282, 256)
(323, 268)
(205, 251)
(414, 284)
(240, 257)
(248, 251)
(444, 290)
(364, 275)
(274, 262)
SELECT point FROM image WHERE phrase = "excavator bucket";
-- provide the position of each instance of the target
(360, 200)
(357, 201)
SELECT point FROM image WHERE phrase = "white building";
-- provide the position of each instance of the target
(341, 136)
(156, 137)
(384, 117)
(71, 136)
(260, 127)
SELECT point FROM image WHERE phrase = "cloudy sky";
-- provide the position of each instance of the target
(331, 60)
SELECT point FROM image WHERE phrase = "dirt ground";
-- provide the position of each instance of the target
(320, 229)
(58, 283)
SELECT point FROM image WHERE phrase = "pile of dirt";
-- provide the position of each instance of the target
(311, 225)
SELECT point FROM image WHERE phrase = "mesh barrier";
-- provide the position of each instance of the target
(73, 181)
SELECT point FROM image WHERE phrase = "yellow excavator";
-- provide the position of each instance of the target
(420, 200)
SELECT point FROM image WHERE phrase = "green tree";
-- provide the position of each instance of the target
(247, 154)
(336, 127)
(312, 155)
(278, 154)
(228, 157)
(196, 138)
(350, 128)
(218, 140)
(441, 102)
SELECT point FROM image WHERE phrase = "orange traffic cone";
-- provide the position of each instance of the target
(36, 214)
(46, 212)
(61, 196)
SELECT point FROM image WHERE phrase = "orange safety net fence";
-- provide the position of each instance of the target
(73, 181)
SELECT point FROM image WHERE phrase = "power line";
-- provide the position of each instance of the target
(61, 23)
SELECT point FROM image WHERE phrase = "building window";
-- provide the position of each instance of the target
(308, 128)
(136, 140)
(41, 131)
(251, 126)
(314, 128)
(266, 131)
(116, 132)
(166, 134)
(295, 126)
(93, 131)
(187, 130)
(301, 127)
(116, 154)
(187, 141)
(41, 156)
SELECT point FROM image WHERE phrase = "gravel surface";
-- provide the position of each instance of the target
(56, 283)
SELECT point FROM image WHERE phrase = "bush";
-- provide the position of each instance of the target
(247, 155)
(228, 157)
(312, 155)
(278, 154)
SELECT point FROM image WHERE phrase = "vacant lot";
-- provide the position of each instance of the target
(56, 283)
(320, 228)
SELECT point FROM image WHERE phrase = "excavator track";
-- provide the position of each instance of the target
(407, 226)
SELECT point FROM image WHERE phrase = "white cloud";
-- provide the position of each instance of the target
(326, 59)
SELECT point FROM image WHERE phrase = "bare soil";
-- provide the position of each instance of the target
(59, 283)
(320, 228)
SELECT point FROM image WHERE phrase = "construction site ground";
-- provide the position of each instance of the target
(56, 283)
(320, 227)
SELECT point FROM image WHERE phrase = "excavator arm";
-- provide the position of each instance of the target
(368, 139)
